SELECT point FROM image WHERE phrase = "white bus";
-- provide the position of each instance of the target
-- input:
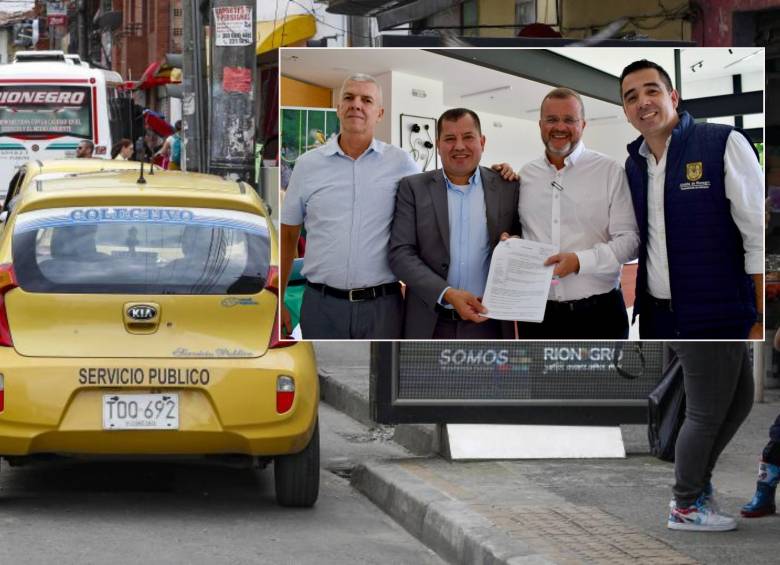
(48, 104)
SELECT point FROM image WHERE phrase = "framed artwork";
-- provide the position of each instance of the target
(418, 135)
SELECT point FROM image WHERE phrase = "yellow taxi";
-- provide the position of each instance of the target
(138, 318)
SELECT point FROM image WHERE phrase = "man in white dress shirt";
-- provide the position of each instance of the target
(578, 200)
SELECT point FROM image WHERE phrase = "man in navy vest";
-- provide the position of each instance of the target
(697, 191)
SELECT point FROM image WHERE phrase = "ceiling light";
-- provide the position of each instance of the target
(745, 58)
(488, 91)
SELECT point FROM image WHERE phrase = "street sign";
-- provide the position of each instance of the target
(233, 26)
(56, 13)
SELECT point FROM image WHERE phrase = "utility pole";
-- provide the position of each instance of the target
(233, 64)
(194, 89)
(359, 31)
(83, 34)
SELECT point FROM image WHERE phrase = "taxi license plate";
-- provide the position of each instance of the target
(141, 411)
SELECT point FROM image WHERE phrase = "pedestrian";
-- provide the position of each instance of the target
(344, 191)
(763, 502)
(122, 150)
(85, 149)
(447, 223)
(698, 195)
(718, 381)
(171, 149)
(146, 148)
(578, 200)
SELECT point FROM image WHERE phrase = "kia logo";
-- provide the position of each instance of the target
(141, 312)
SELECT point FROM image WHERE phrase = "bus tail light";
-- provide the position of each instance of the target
(7, 282)
(285, 393)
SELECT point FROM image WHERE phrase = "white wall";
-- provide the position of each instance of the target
(516, 142)
(752, 81)
(404, 103)
(711, 86)
(384, 128)
(610, 138)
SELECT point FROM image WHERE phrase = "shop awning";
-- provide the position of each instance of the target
(283, 33)
(158, 74)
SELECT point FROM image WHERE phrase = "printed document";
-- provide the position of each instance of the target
(518, 282)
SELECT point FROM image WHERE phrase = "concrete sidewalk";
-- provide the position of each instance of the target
(550, 511)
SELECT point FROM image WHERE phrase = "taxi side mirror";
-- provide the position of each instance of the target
(3, 216)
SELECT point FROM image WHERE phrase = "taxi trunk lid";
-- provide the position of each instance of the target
(63, 325)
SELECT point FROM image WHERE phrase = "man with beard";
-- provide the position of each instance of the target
(578, 200)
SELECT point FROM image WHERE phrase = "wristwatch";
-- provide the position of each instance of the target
(759, 318)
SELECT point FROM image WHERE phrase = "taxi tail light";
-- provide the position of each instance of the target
(272, 285)
(7, 282)
(2, 392)
(285, 393)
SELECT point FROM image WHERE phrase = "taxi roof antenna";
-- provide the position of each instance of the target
(139, 150)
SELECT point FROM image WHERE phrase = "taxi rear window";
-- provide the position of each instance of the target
(141, 250)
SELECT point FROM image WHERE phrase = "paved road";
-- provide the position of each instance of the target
(116, 513)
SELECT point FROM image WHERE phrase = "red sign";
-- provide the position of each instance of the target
(57, 20)
(237, 79)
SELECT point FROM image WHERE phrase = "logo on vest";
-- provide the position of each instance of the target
(694, 171)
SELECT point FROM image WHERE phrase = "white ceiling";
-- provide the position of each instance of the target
(715, 61)
(329, 67)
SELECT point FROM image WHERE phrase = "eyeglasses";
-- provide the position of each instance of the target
(567, 121)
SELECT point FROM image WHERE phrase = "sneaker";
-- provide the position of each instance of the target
(707, 497)
(699, 517)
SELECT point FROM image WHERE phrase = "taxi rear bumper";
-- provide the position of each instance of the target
(51, 408)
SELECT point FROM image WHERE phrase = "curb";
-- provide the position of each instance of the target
(420, 439)
(445, 525)
(345, 399)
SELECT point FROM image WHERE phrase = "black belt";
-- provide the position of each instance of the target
(358, 294)
(583, 303)
(657, 303)
(448, 313)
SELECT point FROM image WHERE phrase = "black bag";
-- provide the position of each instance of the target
(666, 411)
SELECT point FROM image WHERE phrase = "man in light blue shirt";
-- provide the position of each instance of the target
(344, 192)
(447, 223)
